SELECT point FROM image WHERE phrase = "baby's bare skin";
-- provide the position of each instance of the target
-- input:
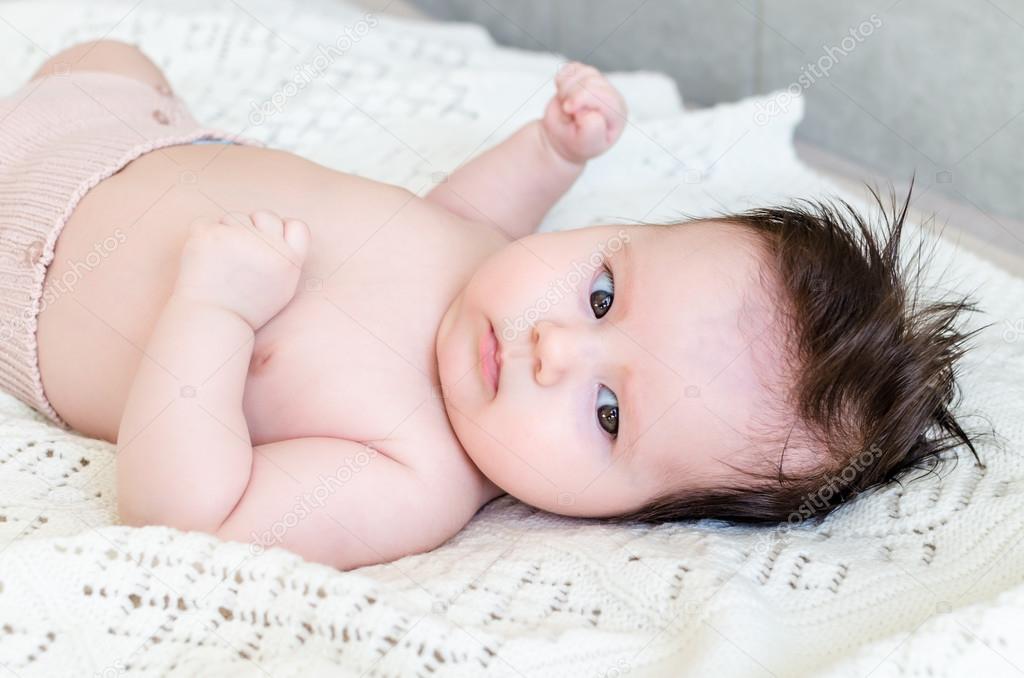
(349, 357)
(266, 331)
(353, 223)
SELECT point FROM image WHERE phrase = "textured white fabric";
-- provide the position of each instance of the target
(924, 579)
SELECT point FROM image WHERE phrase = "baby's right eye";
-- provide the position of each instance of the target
(608, 411)
(602, 292)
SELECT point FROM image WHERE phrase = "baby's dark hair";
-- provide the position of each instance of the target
(873, 377)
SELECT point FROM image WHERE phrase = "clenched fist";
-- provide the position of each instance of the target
(247, 264)
(587, 114)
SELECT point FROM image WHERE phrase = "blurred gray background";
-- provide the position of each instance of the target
(891, 87)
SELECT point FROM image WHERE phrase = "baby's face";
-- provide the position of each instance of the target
(613, 385)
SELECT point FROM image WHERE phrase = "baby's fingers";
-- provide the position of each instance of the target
(296, 234)
(268, 224)
(570, 75)
(585, 98)
(283, 234)
(236, 219)
(591, 132)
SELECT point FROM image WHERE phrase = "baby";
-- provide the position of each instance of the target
(293, 356)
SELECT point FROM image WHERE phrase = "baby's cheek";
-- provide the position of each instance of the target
(517, 435)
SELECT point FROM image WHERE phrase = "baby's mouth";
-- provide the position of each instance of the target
(497, 359)
(490, 358)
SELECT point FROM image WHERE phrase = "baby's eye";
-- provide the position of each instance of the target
(608, 411)
(602, 293)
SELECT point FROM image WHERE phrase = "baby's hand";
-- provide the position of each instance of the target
(586, 115)
(246, 264)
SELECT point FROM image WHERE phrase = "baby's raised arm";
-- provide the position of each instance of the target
(514, 184)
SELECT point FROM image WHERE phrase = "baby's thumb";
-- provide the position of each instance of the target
(592, 130)
(296, 234)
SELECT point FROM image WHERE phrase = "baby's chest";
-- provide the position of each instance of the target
(351, 356)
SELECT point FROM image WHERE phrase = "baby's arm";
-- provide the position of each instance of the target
(514, 184)
(183, 448)
(184, 455)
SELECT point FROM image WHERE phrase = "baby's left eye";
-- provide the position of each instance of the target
(602, 293)
(608, 411)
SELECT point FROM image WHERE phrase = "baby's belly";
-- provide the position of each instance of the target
(116, 263)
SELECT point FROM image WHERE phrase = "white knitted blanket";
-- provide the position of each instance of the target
(925, 579)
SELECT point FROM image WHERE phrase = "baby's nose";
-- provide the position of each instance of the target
(557, 351)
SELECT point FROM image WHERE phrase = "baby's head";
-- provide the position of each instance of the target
(751, 367)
